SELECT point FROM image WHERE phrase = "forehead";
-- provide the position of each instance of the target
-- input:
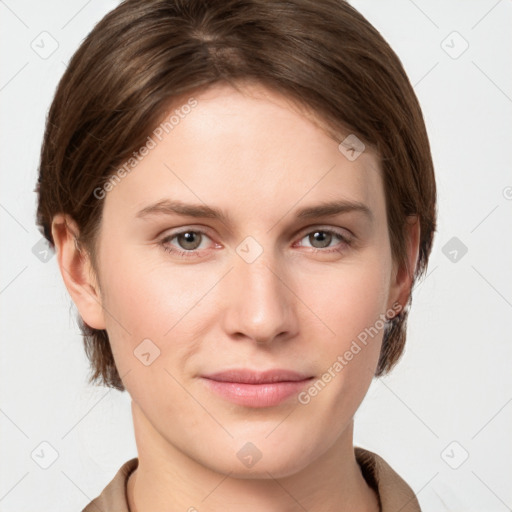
(252, 150)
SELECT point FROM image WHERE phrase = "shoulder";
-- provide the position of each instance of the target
(113, 497)
(394, 493)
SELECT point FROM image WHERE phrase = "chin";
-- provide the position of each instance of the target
(262, 470)
(255, 460)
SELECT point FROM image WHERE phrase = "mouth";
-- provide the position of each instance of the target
(256, 389)
(246, 376)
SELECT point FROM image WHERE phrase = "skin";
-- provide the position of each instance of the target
(258, 158)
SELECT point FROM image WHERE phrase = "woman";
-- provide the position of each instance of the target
(241, 196)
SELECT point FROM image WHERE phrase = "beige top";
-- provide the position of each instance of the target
(393, 492)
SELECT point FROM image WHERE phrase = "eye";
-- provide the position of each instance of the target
(320, 240)
(189, 240)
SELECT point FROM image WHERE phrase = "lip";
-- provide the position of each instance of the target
(256, 389)
(246, 376)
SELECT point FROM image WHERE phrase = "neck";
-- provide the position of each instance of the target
(169, 480)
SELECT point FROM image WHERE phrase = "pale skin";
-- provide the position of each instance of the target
(259, 160)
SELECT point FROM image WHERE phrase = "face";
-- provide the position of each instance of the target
(186, 294)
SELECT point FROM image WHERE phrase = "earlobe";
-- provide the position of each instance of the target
(403, 277)
(77, 272)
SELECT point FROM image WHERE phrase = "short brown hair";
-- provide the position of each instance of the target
(144, 54)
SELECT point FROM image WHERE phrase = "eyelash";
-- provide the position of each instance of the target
(347, 241)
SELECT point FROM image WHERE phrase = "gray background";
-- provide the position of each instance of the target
(443, 417)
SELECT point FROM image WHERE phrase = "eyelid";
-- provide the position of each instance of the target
(302, 232)
(341, 232)
(172, 232)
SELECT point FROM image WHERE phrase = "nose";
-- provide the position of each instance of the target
(260, 304)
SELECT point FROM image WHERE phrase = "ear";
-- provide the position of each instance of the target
(77, 272)
(402, 278)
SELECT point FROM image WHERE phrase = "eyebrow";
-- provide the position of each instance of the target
(324, 209)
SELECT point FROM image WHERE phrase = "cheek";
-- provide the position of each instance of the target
(151, 303)
(347, 299)
(350, 303)
(144, 294)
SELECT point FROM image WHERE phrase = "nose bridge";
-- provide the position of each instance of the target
(261, 305)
